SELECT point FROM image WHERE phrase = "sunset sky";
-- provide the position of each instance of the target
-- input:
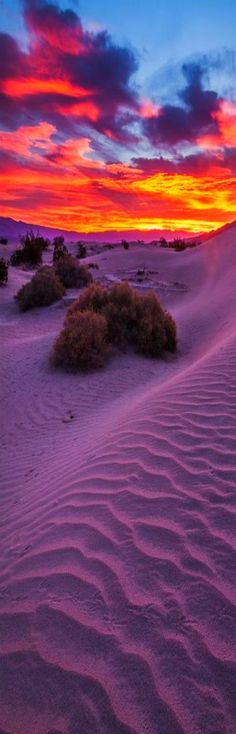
(118, 115)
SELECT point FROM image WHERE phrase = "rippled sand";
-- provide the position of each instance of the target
(117, 562)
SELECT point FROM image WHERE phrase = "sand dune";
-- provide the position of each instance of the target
(117, 564)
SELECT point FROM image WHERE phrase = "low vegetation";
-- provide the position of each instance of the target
(131, 320)
(44, 288)
(177, 244)
(31, 250)
(3, 240)
(125, 244)
(81, 250)
(82, 343)
(163, 242)
(59, 249)
(71, 273)
(3, 271)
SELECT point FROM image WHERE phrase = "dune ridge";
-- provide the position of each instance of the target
(117, 570)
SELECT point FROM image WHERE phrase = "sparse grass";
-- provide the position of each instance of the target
(42, 290)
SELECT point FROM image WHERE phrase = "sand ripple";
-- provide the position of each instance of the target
(118, 556)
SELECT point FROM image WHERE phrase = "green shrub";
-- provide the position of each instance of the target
(82, 343)
(3, 271)
(3, 240)
(42, 290)
(71, 274)
(125, 244)
(59, 249)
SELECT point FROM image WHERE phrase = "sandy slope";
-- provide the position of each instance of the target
(117, 563)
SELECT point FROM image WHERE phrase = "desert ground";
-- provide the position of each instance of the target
(118, 502)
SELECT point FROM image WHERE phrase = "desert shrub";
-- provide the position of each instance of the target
(94, 298)
(170, 332)
(140, 274)
(17, 258)
(178, 245)
(3, 271)
(163, 242)
(132, 319)
(71, 274)
(125, 244)
(93, 266)
(42, 290)
(31, 250)
(81, 250)
(82, 343)
(3, 240)
(149, 332)
(121, 314)
(33, 247)
(59, 248)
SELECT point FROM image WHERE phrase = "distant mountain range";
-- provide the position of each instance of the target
(13, 229)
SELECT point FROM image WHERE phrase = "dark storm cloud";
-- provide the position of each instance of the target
(192, 117)
(97, 73)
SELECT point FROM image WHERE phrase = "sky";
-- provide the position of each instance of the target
(118, 116)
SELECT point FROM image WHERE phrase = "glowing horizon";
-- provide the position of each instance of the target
(83, 148)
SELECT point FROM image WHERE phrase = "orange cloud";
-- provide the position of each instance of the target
(30, 86)
(225, 117)
(60, 185)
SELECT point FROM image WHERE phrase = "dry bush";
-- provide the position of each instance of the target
(81, 250)
(94, 298)
(178, 245)
(59, 248)
(3, 271)
(132, 319)
(17, 257)
(42, 290)
(71, 274)
(163, 242)
(149, 333)
(170, 332)
(31, 250)
(82, 344)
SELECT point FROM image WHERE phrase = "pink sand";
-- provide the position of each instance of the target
(117, 554)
